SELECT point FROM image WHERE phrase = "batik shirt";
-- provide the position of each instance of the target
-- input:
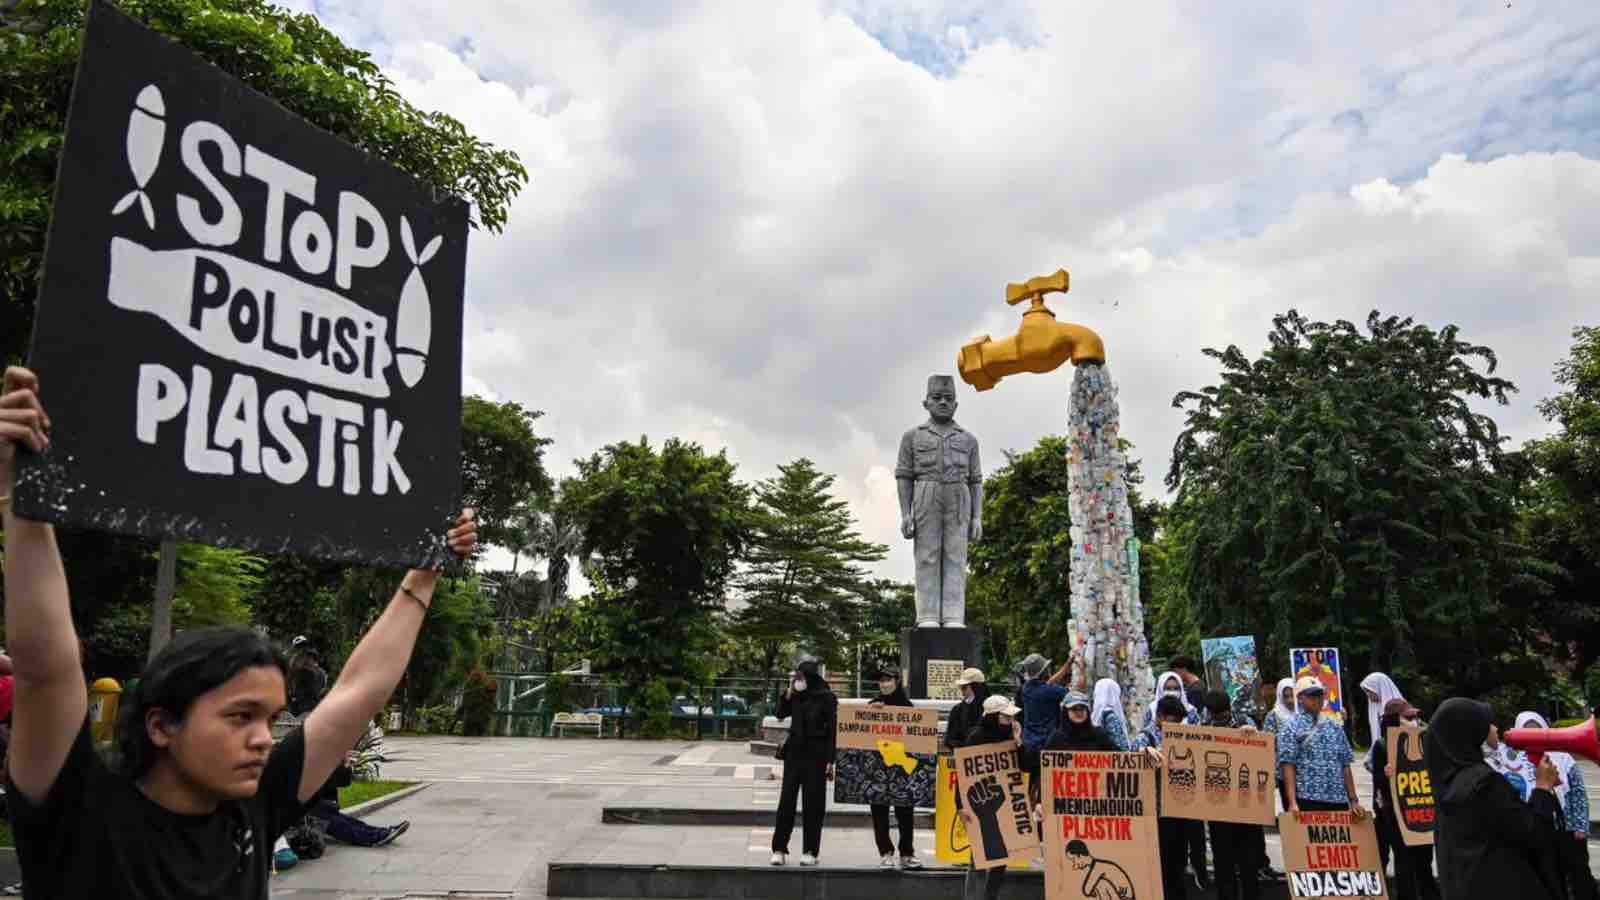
(1116, 728)
(1317, 749)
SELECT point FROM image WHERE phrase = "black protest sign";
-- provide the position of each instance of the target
(1410, 789)
(249, 331)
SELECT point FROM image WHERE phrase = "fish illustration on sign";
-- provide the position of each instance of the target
(147, 132)
(413, 327)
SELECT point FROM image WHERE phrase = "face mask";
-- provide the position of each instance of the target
(799, 684)
(1171, 692)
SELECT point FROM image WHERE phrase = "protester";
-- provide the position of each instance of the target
(1572, 848)
(890, 693)
(1413, 866)
(1315, 757)
(200, 794)
(998, 726)
(966, 715)
(1107, 712)
(1379, 690)
(1170, 684)
(1074, 731)
(1237, 848)
(346, 829)
(1171, 834)
(807, 754)
(306, 680)
(1489, 844)
(1194, 689)
(1041, 702)
(1498, 757)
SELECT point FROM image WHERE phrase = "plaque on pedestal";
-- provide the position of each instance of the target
(931, 659)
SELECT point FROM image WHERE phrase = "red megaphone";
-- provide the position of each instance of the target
(1536, 742)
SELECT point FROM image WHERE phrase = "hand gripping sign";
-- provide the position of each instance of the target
(993, 796)
(258, 324)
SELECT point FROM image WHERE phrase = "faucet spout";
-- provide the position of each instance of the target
(1041, 345)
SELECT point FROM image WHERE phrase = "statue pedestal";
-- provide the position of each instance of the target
(931, 659)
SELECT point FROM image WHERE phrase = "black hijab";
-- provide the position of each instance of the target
(1453, 746)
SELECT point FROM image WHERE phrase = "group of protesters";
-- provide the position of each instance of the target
(1503, 823)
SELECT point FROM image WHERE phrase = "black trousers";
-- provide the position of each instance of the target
(1323, 806)
(807, 781)
(1238, 865)
(1572, 854)
(1413, 866)
(1173, 835)
(983, 884)
(905, 817)
(1196, 839)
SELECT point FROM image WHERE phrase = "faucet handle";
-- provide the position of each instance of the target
(1035, 288)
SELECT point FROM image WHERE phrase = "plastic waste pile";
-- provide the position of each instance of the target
(1108, 618)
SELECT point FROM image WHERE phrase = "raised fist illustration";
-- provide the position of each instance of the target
(986, 799)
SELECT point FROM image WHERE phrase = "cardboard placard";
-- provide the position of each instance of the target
(994, 791)
(1331, 854)
(868, 776)
(1410, 789)
(1322, 663)
(1100, 835)
(1220, 774)
(865, 727)
(950, 843)
(257, 319)
(1230, 664)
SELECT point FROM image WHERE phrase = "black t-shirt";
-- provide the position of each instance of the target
(97, 835)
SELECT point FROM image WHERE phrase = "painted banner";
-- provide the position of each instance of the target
(1230, 664)
(995, 806)
(259, 319)
(1220, 774)
(1409, 788)
(949, 832)
(892, 778)
(1322, 663)
(867, 727)
(1331, 854)
(1100, 837)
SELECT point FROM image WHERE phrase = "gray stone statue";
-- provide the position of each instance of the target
(941, 505)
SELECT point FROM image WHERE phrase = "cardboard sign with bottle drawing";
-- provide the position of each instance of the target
(1219, 774)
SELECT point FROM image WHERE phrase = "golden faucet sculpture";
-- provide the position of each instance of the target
(1041, 345)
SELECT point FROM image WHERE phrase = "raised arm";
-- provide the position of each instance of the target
(370, 675)
(51, 700)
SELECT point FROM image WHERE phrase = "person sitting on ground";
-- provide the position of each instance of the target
(347, 829)
(1488, 843)
(200, 793)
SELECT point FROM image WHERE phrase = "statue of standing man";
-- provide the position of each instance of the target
(941, 505)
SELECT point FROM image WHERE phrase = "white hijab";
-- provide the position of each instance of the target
(1107, 697)
(1286, 711)
(1182, 694)
(1525, 767)
(1387, 690)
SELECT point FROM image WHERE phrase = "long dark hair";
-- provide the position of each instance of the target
(195, 662)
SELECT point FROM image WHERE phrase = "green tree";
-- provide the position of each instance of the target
(663, 531)
(502, 468)
(804, 574)
(215, 585)
(1020, 582)
(1340, 490)
(887, 607)
(288, 57)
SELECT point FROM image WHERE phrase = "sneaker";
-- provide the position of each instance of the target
(808, 859)
(888, 861)
(1270, 875)
(389, 834)
(284, 859)
(779, 859)
(910, 862)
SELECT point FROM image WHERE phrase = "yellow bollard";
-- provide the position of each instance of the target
(104, 697)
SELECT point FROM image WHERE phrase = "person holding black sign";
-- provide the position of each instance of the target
(1490, 845)
(1413, 866)
(200, 793)
(807, 754)
(890, 693)
(998, 726)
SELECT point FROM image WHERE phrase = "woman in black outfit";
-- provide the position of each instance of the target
(1413, 866)
(1490, 845)
(998, 726)
(812, 711)
(966, 715)
(1074, 731)
(890, 693)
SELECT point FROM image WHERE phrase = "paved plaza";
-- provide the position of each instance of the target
(498, 810)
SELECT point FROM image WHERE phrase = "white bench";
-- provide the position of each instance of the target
(576, 720)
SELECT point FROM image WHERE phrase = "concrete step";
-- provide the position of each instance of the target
(749, 817)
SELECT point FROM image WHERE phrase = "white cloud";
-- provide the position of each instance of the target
(762, 225)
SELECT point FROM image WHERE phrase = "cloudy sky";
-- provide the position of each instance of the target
(760, 226)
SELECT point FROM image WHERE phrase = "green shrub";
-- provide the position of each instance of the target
(439, 719)
(477, 704)
(654, 708)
